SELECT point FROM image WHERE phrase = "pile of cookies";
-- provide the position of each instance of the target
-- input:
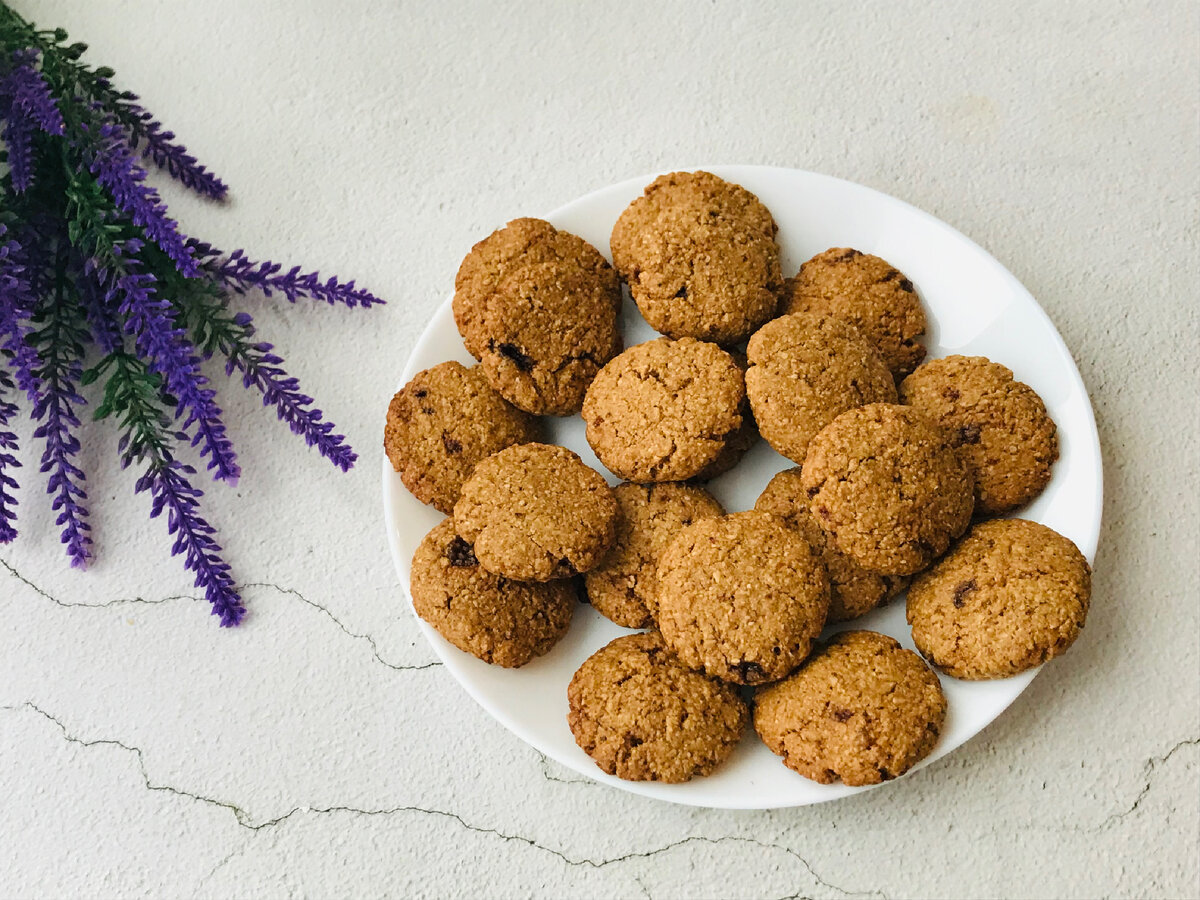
(899, 466)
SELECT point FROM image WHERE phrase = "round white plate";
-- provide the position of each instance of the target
(975, 306)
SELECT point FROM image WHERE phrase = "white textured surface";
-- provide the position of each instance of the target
(316, 751)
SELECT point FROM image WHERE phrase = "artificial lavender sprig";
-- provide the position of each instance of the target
(168, 352)
(17, 302)
(59, 341)
(216, 329)
(8, 462)
(109, 158)
(89, 255)
(131, 393)
(159, 144)
(28, 106)
(238, 273)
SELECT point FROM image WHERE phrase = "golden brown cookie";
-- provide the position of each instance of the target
(741, 597)
(1001, 425)
(1011, 595)
(861, 709)
(700, 258)
(871, 293)
(889, 487)
(853, 591)
(806, 370)
(522, 242)
(535, 512)
(500, 621)
(738, 444)
(644, 717)
(442, 423)
(547, 331)
(663, 410)
(622, 586)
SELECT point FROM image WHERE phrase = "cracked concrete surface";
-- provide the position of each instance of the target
(320, 750)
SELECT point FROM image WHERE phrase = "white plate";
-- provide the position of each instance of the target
(975, 306)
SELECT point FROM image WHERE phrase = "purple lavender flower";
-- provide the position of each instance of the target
(240, 274)
(8, 462)
(16, 306)
(166, 480)
(101, 317)
(111, 161)
(25, 104)
(167, 351)
(53, 407)
(260, 368)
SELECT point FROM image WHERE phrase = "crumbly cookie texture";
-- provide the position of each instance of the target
(547, 331)
(889, 487)
(442, 423)
(805, 370)
(861, 709)
(498, 620)
(535, 512)
(700, 258)
(520, 243)
(1011, 595)
(644, 717)
(868, 291)
(622, 586)
(740, 441)
(741, 597)
(663, 410)
(853, 591)
(1000, 423)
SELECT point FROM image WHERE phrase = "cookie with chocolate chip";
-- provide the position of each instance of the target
(700, 258)
(853, 590)
(500, 621)
(1000, 424)
(869, 292)
(861, 710)
(1011, 595)
(538, 307)
(644, 717)
(805, 370)
(889, 487)
(442, 423)
(535, 512)
(622, 587)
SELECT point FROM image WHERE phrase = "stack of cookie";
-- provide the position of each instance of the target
(894, 461)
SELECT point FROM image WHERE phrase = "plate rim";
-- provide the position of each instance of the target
(443, 650)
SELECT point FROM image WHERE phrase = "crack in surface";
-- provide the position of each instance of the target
(1150, 766)
(120, 601)
(245, 821)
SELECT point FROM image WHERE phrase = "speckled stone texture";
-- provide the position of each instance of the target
(144, 752)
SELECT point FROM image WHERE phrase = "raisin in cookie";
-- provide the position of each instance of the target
(853, 591)
(442, 423)
(1001, 425)
(871, 293)
(805, 370)
(622, 586)
(889, 487)
(498, 620)
(644, 717)
(535, 512)
(741, 597)
(520, 243)
(861, 709)
(663, 410)
(700, 258)
(1011, 595)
